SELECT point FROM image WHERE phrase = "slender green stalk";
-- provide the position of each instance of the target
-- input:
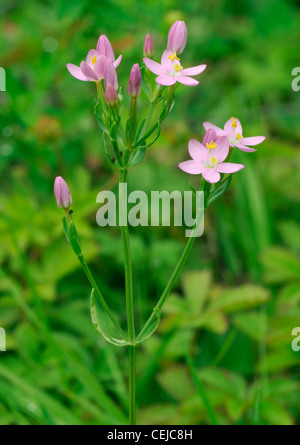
(132, 384)
(99, 295)
(129, 297)
(127, 259)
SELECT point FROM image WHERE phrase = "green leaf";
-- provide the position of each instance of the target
(74, 239)
(240, 298)
(66, 229)
(196, 286)
(136, 157)
(215, 194)
(97, 327)
(280, 265)
(150, 330)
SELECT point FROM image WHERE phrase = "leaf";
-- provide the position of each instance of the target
(275, 414)
(150, 330)
(65, 227)
(240, 298)
(74, 239)
(253, 324)
(219, 191)
(196, 286)
(280, 265)
(97, 327)
(136, 157)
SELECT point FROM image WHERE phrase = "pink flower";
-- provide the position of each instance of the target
(234, 133)
(208, 160)
(111, 95)
(62, 193)
(135, 79)
(93, 68)
(148, 46)
(170, 71)
(177, 37)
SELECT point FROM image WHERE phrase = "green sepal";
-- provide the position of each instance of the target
(74, 239)
(215, 194)
(97, 327)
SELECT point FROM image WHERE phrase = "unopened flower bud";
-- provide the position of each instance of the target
(62, 193)
(135, 79)
(210, 136)
(148, 47)
(111, 95)
(177, 37)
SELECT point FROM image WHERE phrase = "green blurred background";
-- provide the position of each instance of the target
(225, 336)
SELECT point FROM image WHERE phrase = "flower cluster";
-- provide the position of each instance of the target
(208, 158)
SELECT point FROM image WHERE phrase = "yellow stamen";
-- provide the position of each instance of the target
(234, 124)
(239, 136)
(211, 146)
(178, 67)
(214, 160)
(173, 57)
(93, 59)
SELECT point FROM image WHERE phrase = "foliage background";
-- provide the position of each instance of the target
(227, 326)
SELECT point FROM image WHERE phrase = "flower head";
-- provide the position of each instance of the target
(62, 193)
(208, 159)
(170, 71)
(177, 37)
(93, 68)
(148, 46)
(135, 79)
(234, 134)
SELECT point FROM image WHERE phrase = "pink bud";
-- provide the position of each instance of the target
(111, 95)
(135, 79)
(210, 136)
(62, 193)
(148, 46)
(177, 37)
(110, 75)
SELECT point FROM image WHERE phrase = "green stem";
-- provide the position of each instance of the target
(129, 297)
(132, 384)
(127, 259)
(99, 295)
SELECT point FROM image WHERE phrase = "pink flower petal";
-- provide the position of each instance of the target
(118, 61)
(100, 67)
(155, 67)
(219, 131)
(165, 80)
(104, 47)
(222, 149)
(90, 54)
(76, 72)
(228, 167)
(211, 175)
(228, 127)
(187, 81)
(87, 71)
(193, 71)
(244, 148)
(197, 150)
(252, 141)
(191, 167)
(165, 61)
